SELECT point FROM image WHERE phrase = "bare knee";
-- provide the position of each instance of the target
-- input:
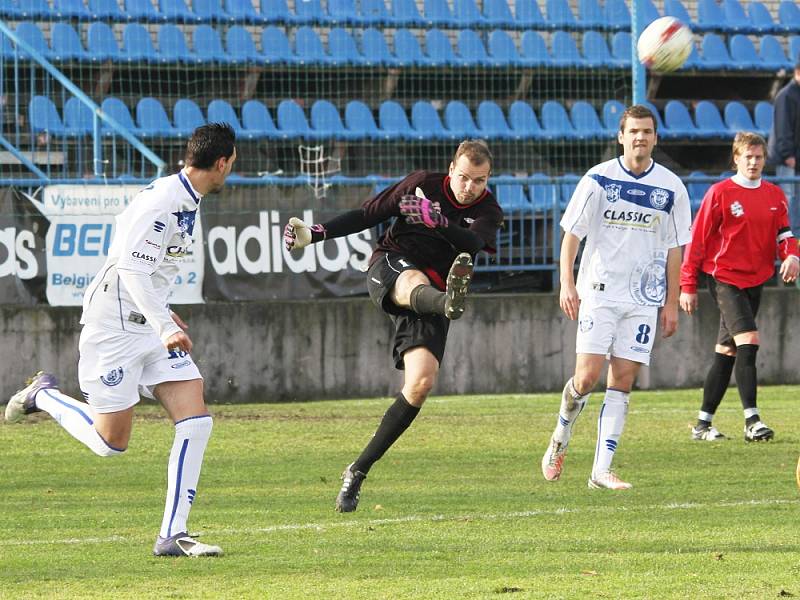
(417, 390)
(405, 284)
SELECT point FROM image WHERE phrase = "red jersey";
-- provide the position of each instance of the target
(737, 234)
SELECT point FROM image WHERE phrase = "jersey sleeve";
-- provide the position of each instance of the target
(679, 232)
(486, 226)
(578, 216)
(705, 224)
(386, 204)
(787, 243)
(144, 247)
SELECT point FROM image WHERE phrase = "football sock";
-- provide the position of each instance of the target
(746, 377)
(717, 381)
(427, 300)
(572, 403)
(395, 421)
(77, 418)
(609, 429)
(751, 416)
(183, 472)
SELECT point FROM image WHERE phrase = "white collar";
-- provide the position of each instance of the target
(745, 182)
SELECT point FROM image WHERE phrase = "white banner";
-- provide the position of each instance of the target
(81, 229)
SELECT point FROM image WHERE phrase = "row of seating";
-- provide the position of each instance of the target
(555, 123)
(500, 51)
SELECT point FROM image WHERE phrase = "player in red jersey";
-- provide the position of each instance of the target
(741, 225)
(418, 276)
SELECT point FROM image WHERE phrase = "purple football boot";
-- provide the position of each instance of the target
(24, 401)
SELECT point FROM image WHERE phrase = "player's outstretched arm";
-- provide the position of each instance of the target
(297, 234)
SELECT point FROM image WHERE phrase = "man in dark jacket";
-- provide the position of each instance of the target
(783, 148)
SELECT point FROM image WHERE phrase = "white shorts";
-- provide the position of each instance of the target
(616, 328)
(115, 367)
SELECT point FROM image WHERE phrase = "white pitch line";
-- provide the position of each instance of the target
(525, 514)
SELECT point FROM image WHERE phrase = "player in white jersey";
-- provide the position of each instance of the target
(635, 217)
(132, 343)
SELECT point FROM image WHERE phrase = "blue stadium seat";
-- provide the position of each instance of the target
(647, 12)
(528, 15)
(275, 46)
(617, 15)
(679, 122)
(257, 121)
(534, 51)
(772, 55)
(569, 181)
(394, 124)
(208, 45)
(709, 121)
(406, 14)
(659, 122)
(761, 19)
(359, 120)
(512, 197)
(309, 11)
(471, 50)
(794, 48)
(101, 43)
(374, 12)
(187, 116)
(675, 8)
(342, 48)
(78, 118)
(137, 45)
(596, 52)
(763, 115)
(153, 121)
(523, 121)
(590, 14)
(66, 45)
(621, 48)
(735, 18)
(242, 11)
(565, 51)
(219, 111)
(343, 12)
(211, 11)
(70, 9)
(407, 49)
(559, 15)
(10, 10)
(426, 123)
(438, 48)
(326, 121)
(497, 13)
(375, 49)
(543, 192)
(308, 48)
(503, 50)
(458, 121)
(737, 117)
(277, 11)
(33, 9)
(142, 11)
(789, 15)
(744, 54)
(172, 46)
(715, 54)
(43, 117)
(556, 123)
(177, 11)
(585, 120)
(116, 109)
(437, 13)
(612, 113)
(31, 34)
(697, 188)
(241, 47)
(710, 15)
(107, 10)
(291, 121)
(492, 122)
(467, 14)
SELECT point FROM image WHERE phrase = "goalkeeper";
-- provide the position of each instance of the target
(418, 275)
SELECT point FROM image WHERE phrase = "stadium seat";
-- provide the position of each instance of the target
(101, 43)
(709, 121)
(31, 9)
(763, 115)
(342, 48)
(621, 48)
(208, 45)
(528, 15)
(309, 12)
(654, 109)
(543, 192)
(586, 122)
(258, 122)
(512, 197)
(326, 122)
(177, 11)
(220, 111)
(711, 15)
(394, 124)
(142, 11)
(407, 49)
(559, 15)
(308, 47)
(458, 121)
(715, 54)
(744, 54)
(241, 47)
(616, 14)
(565, 51)
(375, 49)
(556, 123)
(761, 19)
(737, 117)
(426, 123)
(612, 113)
(374, 12)
(533, 50)
(277, 11)
(596, 52)
(647, 13)
(43, 117)
(276, 46)
(590, 14)
(172, 46)
(735, 17)
(496, 13)
(359, 121)
(66, 45)
(471, 50)
(78, 118)
(116, 110)
(187, 116)
(439, 50)
(467, 14)
(70, 9)
(10, 10)
(31, 34)
(291, 121)
(406, 14)
(789, 15)
(523, 122)
(794, 48)
(675, 8)
(211, 11)
(153, 121)
(492, 122)
(697, 188)
(437, 13)
(679, 122)
(503, 50)
(242, 11)
(772, 55)
(137, 46)
(343, 12)
(569, 181)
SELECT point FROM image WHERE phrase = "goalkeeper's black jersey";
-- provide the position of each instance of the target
(427, 248)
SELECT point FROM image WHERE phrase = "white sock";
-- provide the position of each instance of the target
(609, 429)
(77, 418)
(183, 473)
(705, 416)
(572, 403)
(750, 412)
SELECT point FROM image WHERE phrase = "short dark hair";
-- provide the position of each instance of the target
(208, 144)
(637, 111)
(477, 151)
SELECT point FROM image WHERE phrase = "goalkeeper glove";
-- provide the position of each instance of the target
(297, 234)
(421, 211)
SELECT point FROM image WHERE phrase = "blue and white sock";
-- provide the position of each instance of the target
(183, 473)
(77, 418)
(609, 429)
(572, 403)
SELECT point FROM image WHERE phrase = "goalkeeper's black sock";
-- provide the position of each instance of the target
(395, 421)
(427, 300)
(746, 376)
(716, 383)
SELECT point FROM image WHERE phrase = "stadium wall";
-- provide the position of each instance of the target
(326, 349)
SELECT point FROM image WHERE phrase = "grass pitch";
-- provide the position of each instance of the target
(457, 509)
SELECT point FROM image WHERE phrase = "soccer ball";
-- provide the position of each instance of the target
(665, 44)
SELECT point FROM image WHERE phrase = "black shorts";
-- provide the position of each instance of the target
(738, 308)
(410, 329)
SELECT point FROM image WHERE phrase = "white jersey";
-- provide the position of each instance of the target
(152, 235)
(630, 223)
